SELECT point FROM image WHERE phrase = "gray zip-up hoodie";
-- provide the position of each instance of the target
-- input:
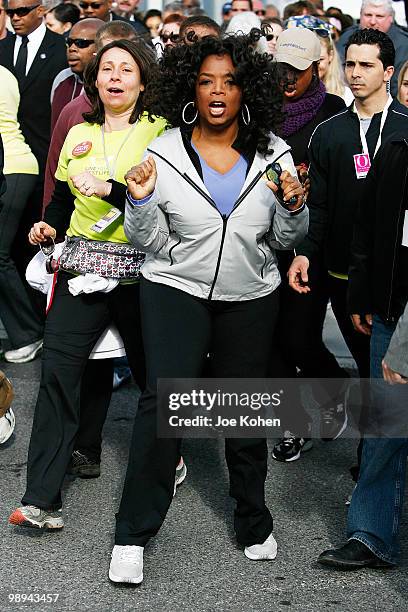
(191, 246)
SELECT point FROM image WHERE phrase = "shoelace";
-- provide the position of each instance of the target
(129, 555)
(288, 438)
(78, 457)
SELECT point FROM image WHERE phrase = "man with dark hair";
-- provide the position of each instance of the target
(379, 15)
(240, 6)
(197, 27)
(303, 7)
(68, 84)
(340, 152)
(103, 10)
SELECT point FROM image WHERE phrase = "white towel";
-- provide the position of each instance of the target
(90, 283)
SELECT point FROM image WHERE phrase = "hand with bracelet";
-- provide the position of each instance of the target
(89, 185)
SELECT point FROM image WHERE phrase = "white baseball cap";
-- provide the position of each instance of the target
(298, 47)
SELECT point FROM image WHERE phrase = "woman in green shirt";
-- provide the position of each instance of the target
(98, 277)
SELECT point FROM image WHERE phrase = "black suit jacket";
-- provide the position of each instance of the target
(34, 113)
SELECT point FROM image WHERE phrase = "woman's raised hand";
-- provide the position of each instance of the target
(89, 185)
(41, 232)
(141, 179)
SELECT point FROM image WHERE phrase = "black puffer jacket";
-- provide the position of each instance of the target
(378, 275)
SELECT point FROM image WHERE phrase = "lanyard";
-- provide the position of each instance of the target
(363, 138)
(112, 169)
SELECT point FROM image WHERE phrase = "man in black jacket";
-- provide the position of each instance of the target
(341, 150)
(378, 292)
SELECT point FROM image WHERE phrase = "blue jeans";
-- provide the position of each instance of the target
(375, 511)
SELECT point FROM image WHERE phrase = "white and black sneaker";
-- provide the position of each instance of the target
(290, 447)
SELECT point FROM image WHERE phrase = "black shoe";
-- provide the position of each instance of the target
(334, 420)
(351, 556)
(290, 447)
(83, 466)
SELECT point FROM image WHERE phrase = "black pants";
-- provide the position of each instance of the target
(178, 331)
(73, 326)
(300, 338)
(96, 393)
(23, 323)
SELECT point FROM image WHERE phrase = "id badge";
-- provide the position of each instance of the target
(106, 220)
(362, 164)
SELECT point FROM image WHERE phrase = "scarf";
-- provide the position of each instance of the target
(302, 111)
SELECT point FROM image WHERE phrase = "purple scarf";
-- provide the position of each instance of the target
(300, 112)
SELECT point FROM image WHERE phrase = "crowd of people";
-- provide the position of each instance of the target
(195, 193)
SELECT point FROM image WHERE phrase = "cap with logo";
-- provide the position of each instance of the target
(297, 47)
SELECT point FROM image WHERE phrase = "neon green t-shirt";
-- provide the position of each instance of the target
(124, 149)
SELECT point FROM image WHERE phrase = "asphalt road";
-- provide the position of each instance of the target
(194, 563)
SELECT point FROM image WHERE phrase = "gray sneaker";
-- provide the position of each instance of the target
(31, 516)
(126, 564)
(25, 353)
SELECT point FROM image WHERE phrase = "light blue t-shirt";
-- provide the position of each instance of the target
(224, 188)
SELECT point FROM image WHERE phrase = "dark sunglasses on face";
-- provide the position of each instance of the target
(269, 37)
(94, 5)
(23, 11)
(170, 37)
(81, 43)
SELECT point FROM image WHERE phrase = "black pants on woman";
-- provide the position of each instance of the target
(73, 326)
(178, 331)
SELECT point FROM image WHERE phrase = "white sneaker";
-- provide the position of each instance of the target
(25, 353)
(7, 425)
(181, 473)
(267, 550)
(126, 564)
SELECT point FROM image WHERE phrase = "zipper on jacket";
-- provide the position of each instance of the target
(388, 317)
(187, 178)
(225, 218)
(264, 263)
(171, 251)
(217, 267)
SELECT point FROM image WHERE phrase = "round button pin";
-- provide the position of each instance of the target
(82, 148)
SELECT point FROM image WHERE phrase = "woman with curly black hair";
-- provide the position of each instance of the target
(201, 207)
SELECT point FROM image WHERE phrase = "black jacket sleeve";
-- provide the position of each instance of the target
(317, 202)
(117, 196)
(360, 298)
(59, 210)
